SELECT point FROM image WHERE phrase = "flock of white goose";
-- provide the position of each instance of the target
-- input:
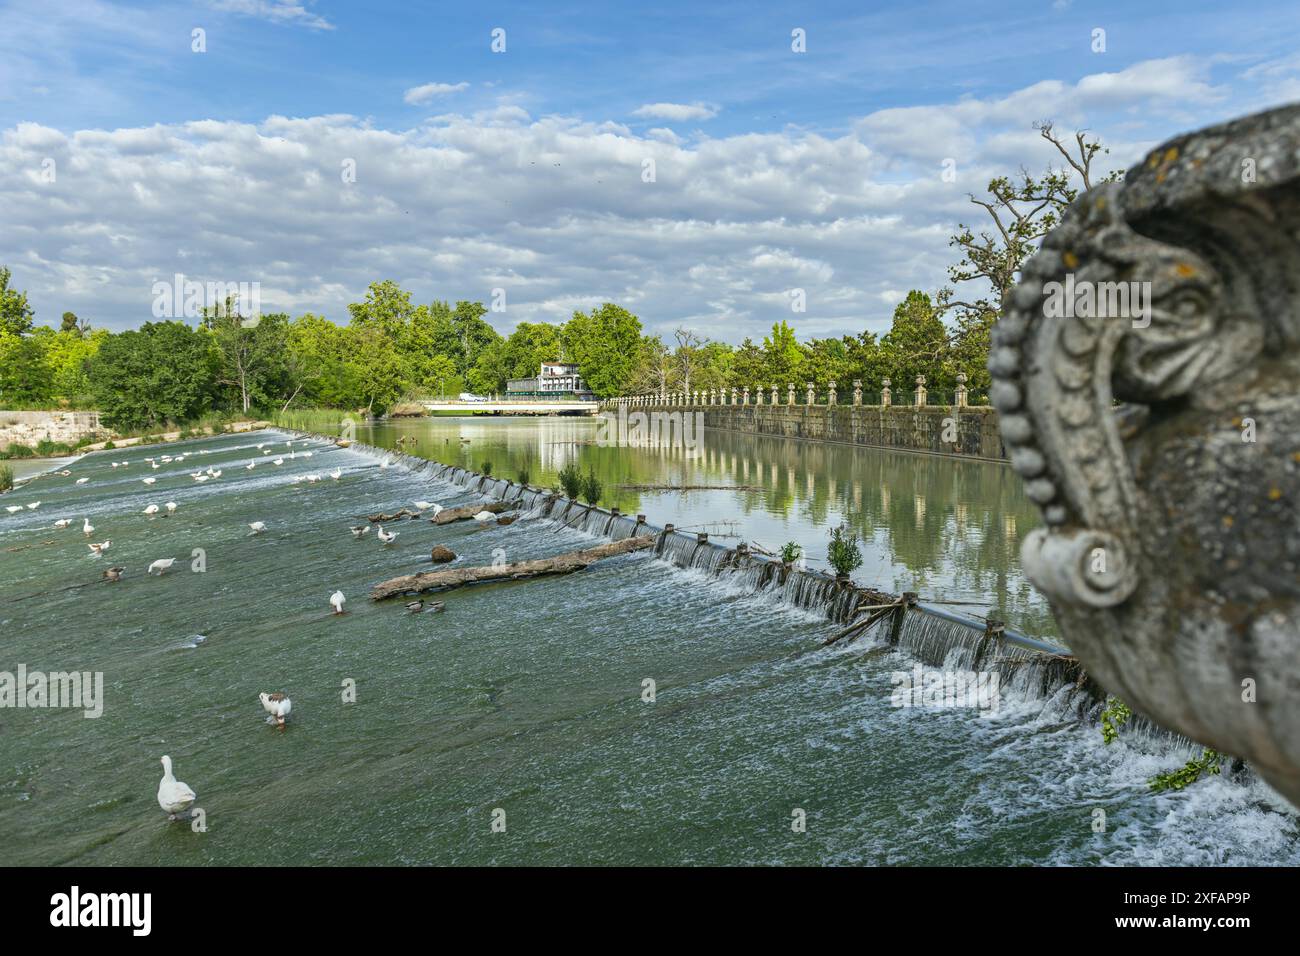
(175, 797)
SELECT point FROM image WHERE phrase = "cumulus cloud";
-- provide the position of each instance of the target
(422, 94)
(554, 209)
(676, 112)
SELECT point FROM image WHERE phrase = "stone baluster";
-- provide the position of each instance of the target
(759, 395)
(920, 391)
(961, 389)
(812, 398)
(884, 392)
(790, 393)
(744, 396)
(830, 396)
(857, 391)
(733, 395)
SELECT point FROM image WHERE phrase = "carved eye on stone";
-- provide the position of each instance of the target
(1186, 313)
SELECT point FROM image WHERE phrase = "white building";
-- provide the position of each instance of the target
(554, 379)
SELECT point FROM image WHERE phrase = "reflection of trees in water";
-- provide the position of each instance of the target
(954, 526)
(949, 528)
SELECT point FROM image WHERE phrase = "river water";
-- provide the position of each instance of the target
(526, 703)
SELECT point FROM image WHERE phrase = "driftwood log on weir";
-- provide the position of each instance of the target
(518, 571)
(404, 513)
(465, 512)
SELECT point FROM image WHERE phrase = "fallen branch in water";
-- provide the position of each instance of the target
(459, 577)
(465, 512)
(404, 513)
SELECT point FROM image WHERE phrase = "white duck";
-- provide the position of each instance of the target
(277, 705)
(173, 796)
(34, 505)
(336, 474)
(161, 566)
(278, 461)
(100, 548)
(258, 527)
(387, 537)
(360, 531)
(149, 481)
(151, 510)
(63, 522)
(171, 507)
(424, 505)
(82, 481)
(485, 516)
(86, 526)
(336, 601)
(251, 465)
(14, 509)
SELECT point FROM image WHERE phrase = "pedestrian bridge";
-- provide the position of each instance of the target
(531, 406)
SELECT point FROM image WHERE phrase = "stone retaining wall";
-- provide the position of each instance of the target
(973, 430)
(28, 428)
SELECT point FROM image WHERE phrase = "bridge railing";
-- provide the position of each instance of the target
(809, 393)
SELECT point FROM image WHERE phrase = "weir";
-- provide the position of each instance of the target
(932, 635)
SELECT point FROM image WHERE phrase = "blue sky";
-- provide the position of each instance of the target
(522, 170)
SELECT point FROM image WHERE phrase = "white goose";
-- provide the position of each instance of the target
(149, 481)
(171, 507)
(278, 705)
(423, 505)
(82, 481)
(360, 531)
(483, 517)
(14, 509)
(336, 474)
(278, 461)
(387, 537)
(258, 527)
(251, 465)
(99, 549)
(336, 601)
(173, 796)
(86, 526)
(34, 505)
(63, 522)
(151, 510)
(161, 566)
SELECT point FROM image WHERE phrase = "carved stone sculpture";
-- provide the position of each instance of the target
(1170, 550)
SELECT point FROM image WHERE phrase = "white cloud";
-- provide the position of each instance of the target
(422, 94)
(275, 11)
(552, 208)
(677, 112)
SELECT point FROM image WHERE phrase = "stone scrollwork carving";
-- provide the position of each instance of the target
(1170, 550)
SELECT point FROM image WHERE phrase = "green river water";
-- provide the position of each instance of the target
(527, 697)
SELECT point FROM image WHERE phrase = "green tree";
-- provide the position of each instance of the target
(605, 345)
(162, 372)
(782, 355)
(26, 379)
(254, 354)
(917, 344)
(749, 366)
(15, 313)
